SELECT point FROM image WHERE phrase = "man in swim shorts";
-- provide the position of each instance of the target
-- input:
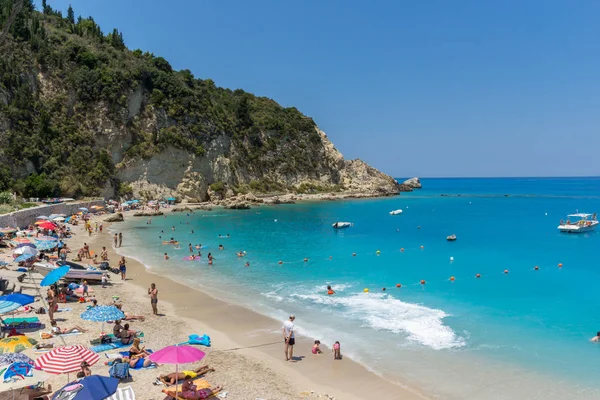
(288, 337)
(153, 292)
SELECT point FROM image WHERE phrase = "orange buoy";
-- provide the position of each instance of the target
(398, 285)
(560, 265)
(306, 259)
(451, 278)
(280, 262)
(422, 281)
(506, 271)
(536, 268)
(478, 276)
(402, 249)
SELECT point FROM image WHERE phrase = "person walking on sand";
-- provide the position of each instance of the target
(120, 239)
(288, 337)
(153, 292)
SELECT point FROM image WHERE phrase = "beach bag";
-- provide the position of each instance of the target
(40, 310)
(119, 370)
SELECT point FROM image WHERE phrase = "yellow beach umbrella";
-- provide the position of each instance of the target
(16, 344)
(40, 222)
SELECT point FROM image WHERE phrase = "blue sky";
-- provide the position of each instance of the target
(415, 88)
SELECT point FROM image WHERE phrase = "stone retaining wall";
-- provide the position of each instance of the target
(28, 216)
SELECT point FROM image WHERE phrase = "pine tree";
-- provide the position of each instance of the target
(44, 7)
(71, 15)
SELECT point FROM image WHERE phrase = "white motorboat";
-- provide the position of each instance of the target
(578, 223)
(76, 272)
(451, 238)
(396, 212)
(341, 225)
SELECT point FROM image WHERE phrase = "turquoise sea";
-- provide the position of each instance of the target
(521, 335)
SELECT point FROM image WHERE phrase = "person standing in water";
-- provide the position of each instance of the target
(120, 239)
(153, 292)
(115, 239)
(288, 337)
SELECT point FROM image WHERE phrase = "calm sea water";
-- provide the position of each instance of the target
(524, 334)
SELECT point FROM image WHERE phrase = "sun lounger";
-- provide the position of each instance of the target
(125, 393)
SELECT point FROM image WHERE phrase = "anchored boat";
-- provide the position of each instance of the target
(579, 223)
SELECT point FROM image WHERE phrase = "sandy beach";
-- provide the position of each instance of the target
(247, 347)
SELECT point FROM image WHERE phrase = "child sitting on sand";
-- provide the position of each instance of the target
(316, 349)
(336, 351)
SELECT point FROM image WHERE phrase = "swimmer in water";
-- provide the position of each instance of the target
(191, 249)
(199, 255)
(173, 228)
(221, 247)
(166, 256)
(330, 290)
(210, 259)
(162, 231)
(247, 264)
(192, 231)
(596, 338)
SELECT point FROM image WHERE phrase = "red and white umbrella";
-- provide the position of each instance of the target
(66, 359)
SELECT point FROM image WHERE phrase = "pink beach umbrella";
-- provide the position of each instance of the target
(177, 355)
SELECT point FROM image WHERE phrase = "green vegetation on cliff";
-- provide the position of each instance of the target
(58, 74)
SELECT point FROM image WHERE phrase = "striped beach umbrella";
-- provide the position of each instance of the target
(66, 359)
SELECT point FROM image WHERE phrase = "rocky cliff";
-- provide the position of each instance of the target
(80, 114)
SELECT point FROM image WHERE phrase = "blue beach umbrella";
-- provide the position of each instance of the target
(13, 301)
(24, 257)
(93, 387)
(83, 209)
(55, 275)
(102, 314)
(43, 217)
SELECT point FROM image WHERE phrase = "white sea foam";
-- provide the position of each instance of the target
(379, 311)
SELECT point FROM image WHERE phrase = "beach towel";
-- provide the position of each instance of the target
(109, 346)
(17, 321)
(44, 335)
(200, 384)
(125, 393)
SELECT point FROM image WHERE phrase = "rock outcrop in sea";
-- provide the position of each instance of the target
(413, 183)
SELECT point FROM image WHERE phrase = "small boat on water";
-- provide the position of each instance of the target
(396, 212)
(341, 225)
(76, 272)
(579, 223)
(451, 238)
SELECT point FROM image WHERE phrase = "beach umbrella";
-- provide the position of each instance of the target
(19, 375)
(26, 245)
(24, 258)
(42, 217)
(16, 344)
(66, 359)
(55, 275)
(25, 250)
(177, 355)
(47, 239)
(47, 225)
(103, 314)
(9, 358)
(58, 219)
(83, 209)
(8, 230)
(93, 387)
(13, 301)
